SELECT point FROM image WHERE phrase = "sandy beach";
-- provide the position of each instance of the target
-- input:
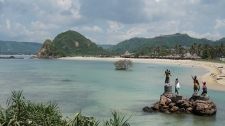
(215, 78)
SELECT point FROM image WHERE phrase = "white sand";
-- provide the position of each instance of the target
(215, 79)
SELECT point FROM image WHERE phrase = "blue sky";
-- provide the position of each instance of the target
(110, 21)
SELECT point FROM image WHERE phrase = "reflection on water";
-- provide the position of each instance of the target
(97, 88)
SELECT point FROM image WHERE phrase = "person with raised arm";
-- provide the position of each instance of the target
(167, 74)
(196, 84)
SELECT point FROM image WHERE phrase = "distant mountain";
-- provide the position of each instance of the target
(218, 42)
(69, 43)
(15, 47)
(166, 41)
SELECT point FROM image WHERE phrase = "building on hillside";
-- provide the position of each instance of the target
(126, 55)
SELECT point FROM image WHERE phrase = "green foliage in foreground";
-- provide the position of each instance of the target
(22, 112)
(117, 120)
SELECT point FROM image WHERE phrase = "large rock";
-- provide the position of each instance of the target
(172, 104)
(156, 106)
(204, 108)
(174, 108)
(163, 100)
(196, 105)
(185, 104)
(148, 109)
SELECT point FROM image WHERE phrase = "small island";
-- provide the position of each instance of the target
(69, 44)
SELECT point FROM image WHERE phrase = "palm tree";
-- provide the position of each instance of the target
(213, 51)
(199, 49)
(193, 48)
(180, 50)
(221, 50)
(176, 49)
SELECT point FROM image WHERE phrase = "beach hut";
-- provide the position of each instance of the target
(126, 55)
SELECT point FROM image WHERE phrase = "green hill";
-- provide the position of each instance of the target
(14, 47)
(73, 43)
(48, 50)
(166, 42)
(70, 43)
(218, 42)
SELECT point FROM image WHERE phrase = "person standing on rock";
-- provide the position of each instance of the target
(177, 86)
(196, 84)
(204, 88)
(167, 74)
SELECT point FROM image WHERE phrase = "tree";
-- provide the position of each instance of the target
(206, 54)
(193, 48)
(123, 64)
(176, 49)
(199, 49)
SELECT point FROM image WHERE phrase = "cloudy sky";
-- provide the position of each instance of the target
(110, 21)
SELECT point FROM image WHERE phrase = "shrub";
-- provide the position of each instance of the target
(22, 112)
(117, 120)
(123, 64)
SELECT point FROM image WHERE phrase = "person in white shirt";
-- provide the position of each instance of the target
(177, 86)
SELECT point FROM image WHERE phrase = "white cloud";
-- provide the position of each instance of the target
(56, 5)
(41, 26)
(114, 26)
(65, 12)
(157, 1)
(8, 24)
(91, 29)
(63, 4)
(38, 20)
(197, 35)
(219, 23)
(95, 29)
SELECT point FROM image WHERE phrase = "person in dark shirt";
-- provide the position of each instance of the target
(167, 74)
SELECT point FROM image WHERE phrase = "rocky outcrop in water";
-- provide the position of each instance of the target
(172, 103)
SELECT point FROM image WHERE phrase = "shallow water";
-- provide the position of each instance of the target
(97, 88)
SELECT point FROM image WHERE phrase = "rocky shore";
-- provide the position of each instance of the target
(171, 103)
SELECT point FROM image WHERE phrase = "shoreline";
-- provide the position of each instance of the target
(214, 78)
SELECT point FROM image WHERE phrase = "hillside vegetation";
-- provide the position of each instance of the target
(73, 43)
(70, 43)
(167, 42)
(14, 47)
(49, 50)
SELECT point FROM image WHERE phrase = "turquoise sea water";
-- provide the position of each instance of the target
(97, 88)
